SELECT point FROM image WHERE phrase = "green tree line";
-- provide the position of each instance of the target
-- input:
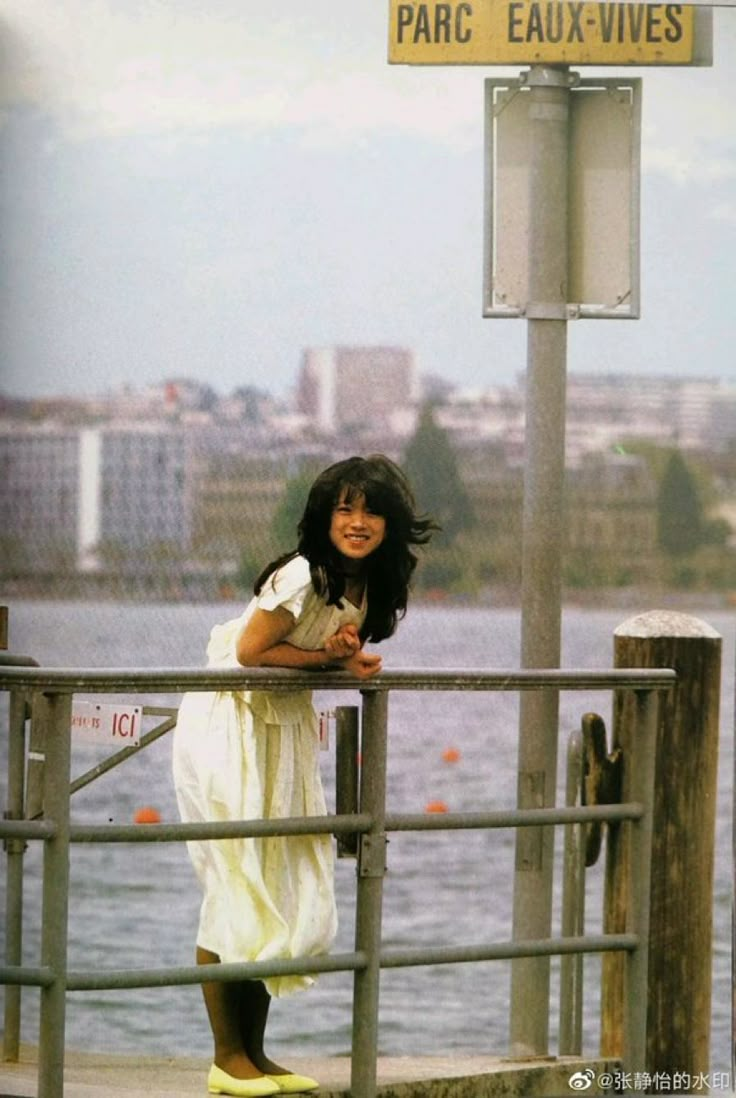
(692, 549)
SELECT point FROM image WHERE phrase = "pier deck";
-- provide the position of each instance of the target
(94, 1075)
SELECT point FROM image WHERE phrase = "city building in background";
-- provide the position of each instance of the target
(135, 498)
(691, 413)
(176, 489)
(89, 498)
(40, 477)
(340, 388)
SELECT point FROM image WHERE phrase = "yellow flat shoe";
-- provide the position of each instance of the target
(294, 1084)
(219, 1082)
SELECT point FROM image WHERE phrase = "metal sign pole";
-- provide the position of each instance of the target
(498, 32)
(542, 541)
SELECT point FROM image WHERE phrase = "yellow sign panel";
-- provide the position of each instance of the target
(526, 32)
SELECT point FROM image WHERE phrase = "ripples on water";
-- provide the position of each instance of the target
(137, 905)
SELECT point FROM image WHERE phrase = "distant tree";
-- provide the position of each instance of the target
(12, 554)
(255, 400)
(717, 531)
(62, 557)
(679, 509)
(162, 553)
(430, 464)
(248, 569)
(207, 399)
(291, 508)
(113, 554)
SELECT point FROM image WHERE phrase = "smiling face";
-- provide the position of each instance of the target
(355, 530)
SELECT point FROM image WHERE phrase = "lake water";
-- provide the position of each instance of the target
(137, 906)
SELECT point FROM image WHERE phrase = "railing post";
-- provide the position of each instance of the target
(639, 786)
(53, 711)
(371, 869)
(346, 773)
(15, 849)
(681, 911)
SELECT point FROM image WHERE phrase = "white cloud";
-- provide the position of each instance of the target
(109, 68)
(105, 68)
(690, 165)
(724, 212)
(688, 132)
(122, 67)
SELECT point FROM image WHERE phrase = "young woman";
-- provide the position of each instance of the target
(255, 754)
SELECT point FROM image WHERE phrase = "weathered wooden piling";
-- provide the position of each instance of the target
(680, 934)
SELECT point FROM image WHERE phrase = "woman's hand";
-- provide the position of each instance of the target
(364, 665)
(262, 644)
(342, 644)
(345, 649)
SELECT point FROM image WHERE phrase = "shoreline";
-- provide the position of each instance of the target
(505, 598)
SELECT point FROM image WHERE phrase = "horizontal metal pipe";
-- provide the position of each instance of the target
(7, 659)
(21, 975)
(448, 955)
(101, 980)
(113, 680)
(228, 829)
(318, 825)
(529, 817)
(27, 829)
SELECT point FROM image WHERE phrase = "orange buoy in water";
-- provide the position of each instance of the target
(451, 755)
(147, 815)
(435, 806)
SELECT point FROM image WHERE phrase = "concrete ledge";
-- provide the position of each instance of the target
(92, 1075)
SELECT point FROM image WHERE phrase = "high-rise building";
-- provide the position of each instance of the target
(93, 496)
(134, 492)
(689, 412)
(347, 387)
(39, 497)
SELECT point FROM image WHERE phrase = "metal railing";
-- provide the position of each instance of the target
(52, 692)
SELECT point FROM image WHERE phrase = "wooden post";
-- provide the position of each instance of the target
(3, 628)
(680, 935)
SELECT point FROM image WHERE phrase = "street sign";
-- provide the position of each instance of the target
(117, 725)
(603, 165)
(547, 32)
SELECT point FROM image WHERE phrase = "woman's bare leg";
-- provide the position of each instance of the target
(254, 1003)
(224, 1012)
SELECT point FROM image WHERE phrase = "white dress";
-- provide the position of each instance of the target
(255, 755)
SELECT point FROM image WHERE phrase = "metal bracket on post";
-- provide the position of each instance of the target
(372, 855)
(548, 76)
(546, 310)
(13, 846)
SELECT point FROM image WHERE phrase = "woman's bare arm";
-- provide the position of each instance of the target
(262, 644)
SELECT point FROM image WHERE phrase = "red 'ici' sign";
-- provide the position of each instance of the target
(112, 724)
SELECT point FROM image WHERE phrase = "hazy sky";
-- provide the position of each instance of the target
(205, 188)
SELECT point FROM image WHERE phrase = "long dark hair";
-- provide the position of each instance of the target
(389, 568)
